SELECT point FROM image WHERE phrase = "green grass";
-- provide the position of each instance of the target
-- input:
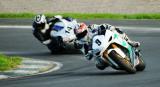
(9, 62)
(87, 16)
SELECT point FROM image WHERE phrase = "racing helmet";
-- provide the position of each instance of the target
(40, 21)
(82, 31)
(102, 29)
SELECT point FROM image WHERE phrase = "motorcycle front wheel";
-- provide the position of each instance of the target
(124, 63)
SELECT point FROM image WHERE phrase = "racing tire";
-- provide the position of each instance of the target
(122, 62)
(77, 46)
(56, 47)
(141, 66)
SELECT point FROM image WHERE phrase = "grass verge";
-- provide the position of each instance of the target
(9, 62)
(87, 16)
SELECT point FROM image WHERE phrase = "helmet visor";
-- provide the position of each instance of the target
(41, 26)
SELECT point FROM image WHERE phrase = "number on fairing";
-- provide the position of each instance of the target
(98, 42)
(68, 29)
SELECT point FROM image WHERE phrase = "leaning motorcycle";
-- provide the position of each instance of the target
(116, 52)
(62, 34)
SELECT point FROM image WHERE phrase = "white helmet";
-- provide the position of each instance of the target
(40, 19)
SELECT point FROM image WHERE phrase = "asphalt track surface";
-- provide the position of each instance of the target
(76, 70)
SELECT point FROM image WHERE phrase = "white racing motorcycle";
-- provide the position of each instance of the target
(116, 52)
(62, 34)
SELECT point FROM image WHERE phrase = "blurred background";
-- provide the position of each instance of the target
(80, 6)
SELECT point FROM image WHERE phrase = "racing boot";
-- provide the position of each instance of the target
(134, 43)
(89, 55)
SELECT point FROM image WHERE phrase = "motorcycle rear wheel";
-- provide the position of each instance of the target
(141, 66)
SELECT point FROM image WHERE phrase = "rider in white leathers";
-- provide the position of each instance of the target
(85, 37)
(43, 28)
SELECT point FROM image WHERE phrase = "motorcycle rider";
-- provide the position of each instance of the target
(84, 36)
(43, 27)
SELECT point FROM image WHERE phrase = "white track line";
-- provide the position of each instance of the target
(3, 76)
(30, 27)
(15, 26)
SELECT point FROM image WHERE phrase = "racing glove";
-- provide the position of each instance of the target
(89, 55)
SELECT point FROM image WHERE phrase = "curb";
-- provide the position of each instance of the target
(30, 67)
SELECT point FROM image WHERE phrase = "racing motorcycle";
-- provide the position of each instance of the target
(116, 52)
(62, 34)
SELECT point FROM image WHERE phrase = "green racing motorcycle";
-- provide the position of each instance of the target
(114, 51)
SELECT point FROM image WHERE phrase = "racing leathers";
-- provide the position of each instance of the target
(44, 34)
